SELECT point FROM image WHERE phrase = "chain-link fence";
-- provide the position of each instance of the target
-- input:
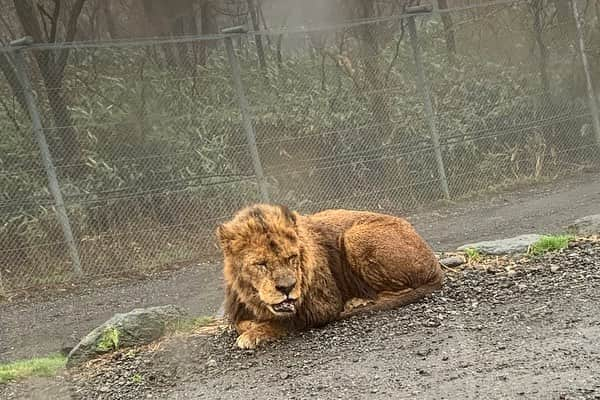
(139, 149)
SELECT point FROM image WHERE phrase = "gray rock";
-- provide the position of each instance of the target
(453, 261)
(137, 327)
(518, 244)
(589, 225)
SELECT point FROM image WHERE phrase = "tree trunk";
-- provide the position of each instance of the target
(208, 25)
(448, 31)
(111, 26)
(373, 71)
(67, 147)
(257, 38)
(538, 21)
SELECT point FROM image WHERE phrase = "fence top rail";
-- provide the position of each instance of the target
(269, 32)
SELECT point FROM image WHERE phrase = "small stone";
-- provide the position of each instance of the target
(284, 375)
(423, 353)
(211, 363)
(454, 261)
(554, 269)
(431, 323)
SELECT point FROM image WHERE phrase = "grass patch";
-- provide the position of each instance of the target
(473, 255)
(188, 325)
(109, 340)
(137, 379)
(549, 243)
(43, 366)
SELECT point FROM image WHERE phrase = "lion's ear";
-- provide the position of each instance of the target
(225, 235)
(290, 215)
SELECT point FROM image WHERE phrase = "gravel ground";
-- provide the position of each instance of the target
(56, 319)
(506, 328)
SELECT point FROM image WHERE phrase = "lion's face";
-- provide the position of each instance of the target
(263, 259)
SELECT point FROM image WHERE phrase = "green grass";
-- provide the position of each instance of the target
(109, 340)
(43, 366)
(188, 325)
(472, 255)
(549, 243)
(137, 379)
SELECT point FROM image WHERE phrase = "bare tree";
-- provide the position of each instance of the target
(53, 25)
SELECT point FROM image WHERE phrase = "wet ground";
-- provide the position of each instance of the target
(504, 329)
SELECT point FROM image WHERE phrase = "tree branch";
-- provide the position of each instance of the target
(396, 53)
(27, 17)
(55, 16)
(71, 30)
(44, 13)
(31, 26)
(8, 27)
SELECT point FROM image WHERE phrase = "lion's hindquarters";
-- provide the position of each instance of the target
(390, 256)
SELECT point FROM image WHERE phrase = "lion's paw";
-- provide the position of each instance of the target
(355, 303)
(250, 340)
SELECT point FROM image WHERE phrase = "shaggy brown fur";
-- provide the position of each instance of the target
(284, 271)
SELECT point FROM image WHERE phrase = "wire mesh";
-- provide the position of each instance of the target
(151, 152)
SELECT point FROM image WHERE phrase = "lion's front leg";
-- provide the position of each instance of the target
(252, 334)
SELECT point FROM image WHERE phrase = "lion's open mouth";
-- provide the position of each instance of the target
(286, 306)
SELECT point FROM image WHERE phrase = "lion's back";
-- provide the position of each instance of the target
(341, 219)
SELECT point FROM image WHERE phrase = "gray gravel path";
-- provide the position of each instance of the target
(489, 334)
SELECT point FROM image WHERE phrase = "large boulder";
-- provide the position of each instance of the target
(586, 226)
(137, 327)
(518, 244)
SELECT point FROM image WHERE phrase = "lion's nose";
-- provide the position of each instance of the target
(286, 285)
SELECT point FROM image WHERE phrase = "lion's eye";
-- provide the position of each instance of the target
(261, 265)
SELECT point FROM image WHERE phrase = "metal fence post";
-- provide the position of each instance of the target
(424, 89)
(38, 132)
(592, 103)
(245, 110)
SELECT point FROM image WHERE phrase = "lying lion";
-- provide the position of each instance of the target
(284, 271)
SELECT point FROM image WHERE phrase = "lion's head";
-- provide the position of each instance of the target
(263, 259)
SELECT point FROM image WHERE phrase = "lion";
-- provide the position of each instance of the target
(287, 272)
